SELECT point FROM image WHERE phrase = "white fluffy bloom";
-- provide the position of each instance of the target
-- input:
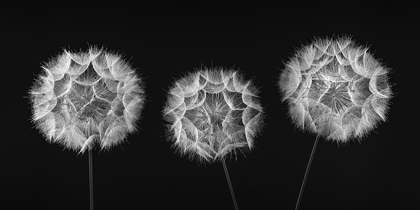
(212, 112)
(86, 97)
(335, 89)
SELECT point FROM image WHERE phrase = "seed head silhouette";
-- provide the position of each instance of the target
(87, 97)
(213, 112)
(335, 89)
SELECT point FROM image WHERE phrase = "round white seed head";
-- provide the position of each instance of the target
(86, 97)
(335, 89)
(211, 113)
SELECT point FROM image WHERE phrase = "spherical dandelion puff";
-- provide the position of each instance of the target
(211, 113)
(336, 90)
(87, 97)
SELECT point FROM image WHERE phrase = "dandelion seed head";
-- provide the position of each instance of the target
(335, 89)
(212, 112)
(87, 97)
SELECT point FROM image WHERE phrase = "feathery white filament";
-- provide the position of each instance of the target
(85, 97)
(335, 89)
(212, 112)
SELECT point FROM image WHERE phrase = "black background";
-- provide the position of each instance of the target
(164, 43)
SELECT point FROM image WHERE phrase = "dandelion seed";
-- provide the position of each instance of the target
(336, 90)
(83, 98)
(87, 97)
(212, 113)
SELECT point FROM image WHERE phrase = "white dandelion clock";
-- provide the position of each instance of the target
(87, 98)
(212, 113)
(335, 89)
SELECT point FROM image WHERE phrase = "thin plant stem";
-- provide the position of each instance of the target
(230, 185)
(308, 167)
(90, 180)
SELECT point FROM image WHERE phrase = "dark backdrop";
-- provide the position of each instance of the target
(164, 43)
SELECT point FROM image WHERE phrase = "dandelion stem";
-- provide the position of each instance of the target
(90, 180)
(230, 185)
(308, 167)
